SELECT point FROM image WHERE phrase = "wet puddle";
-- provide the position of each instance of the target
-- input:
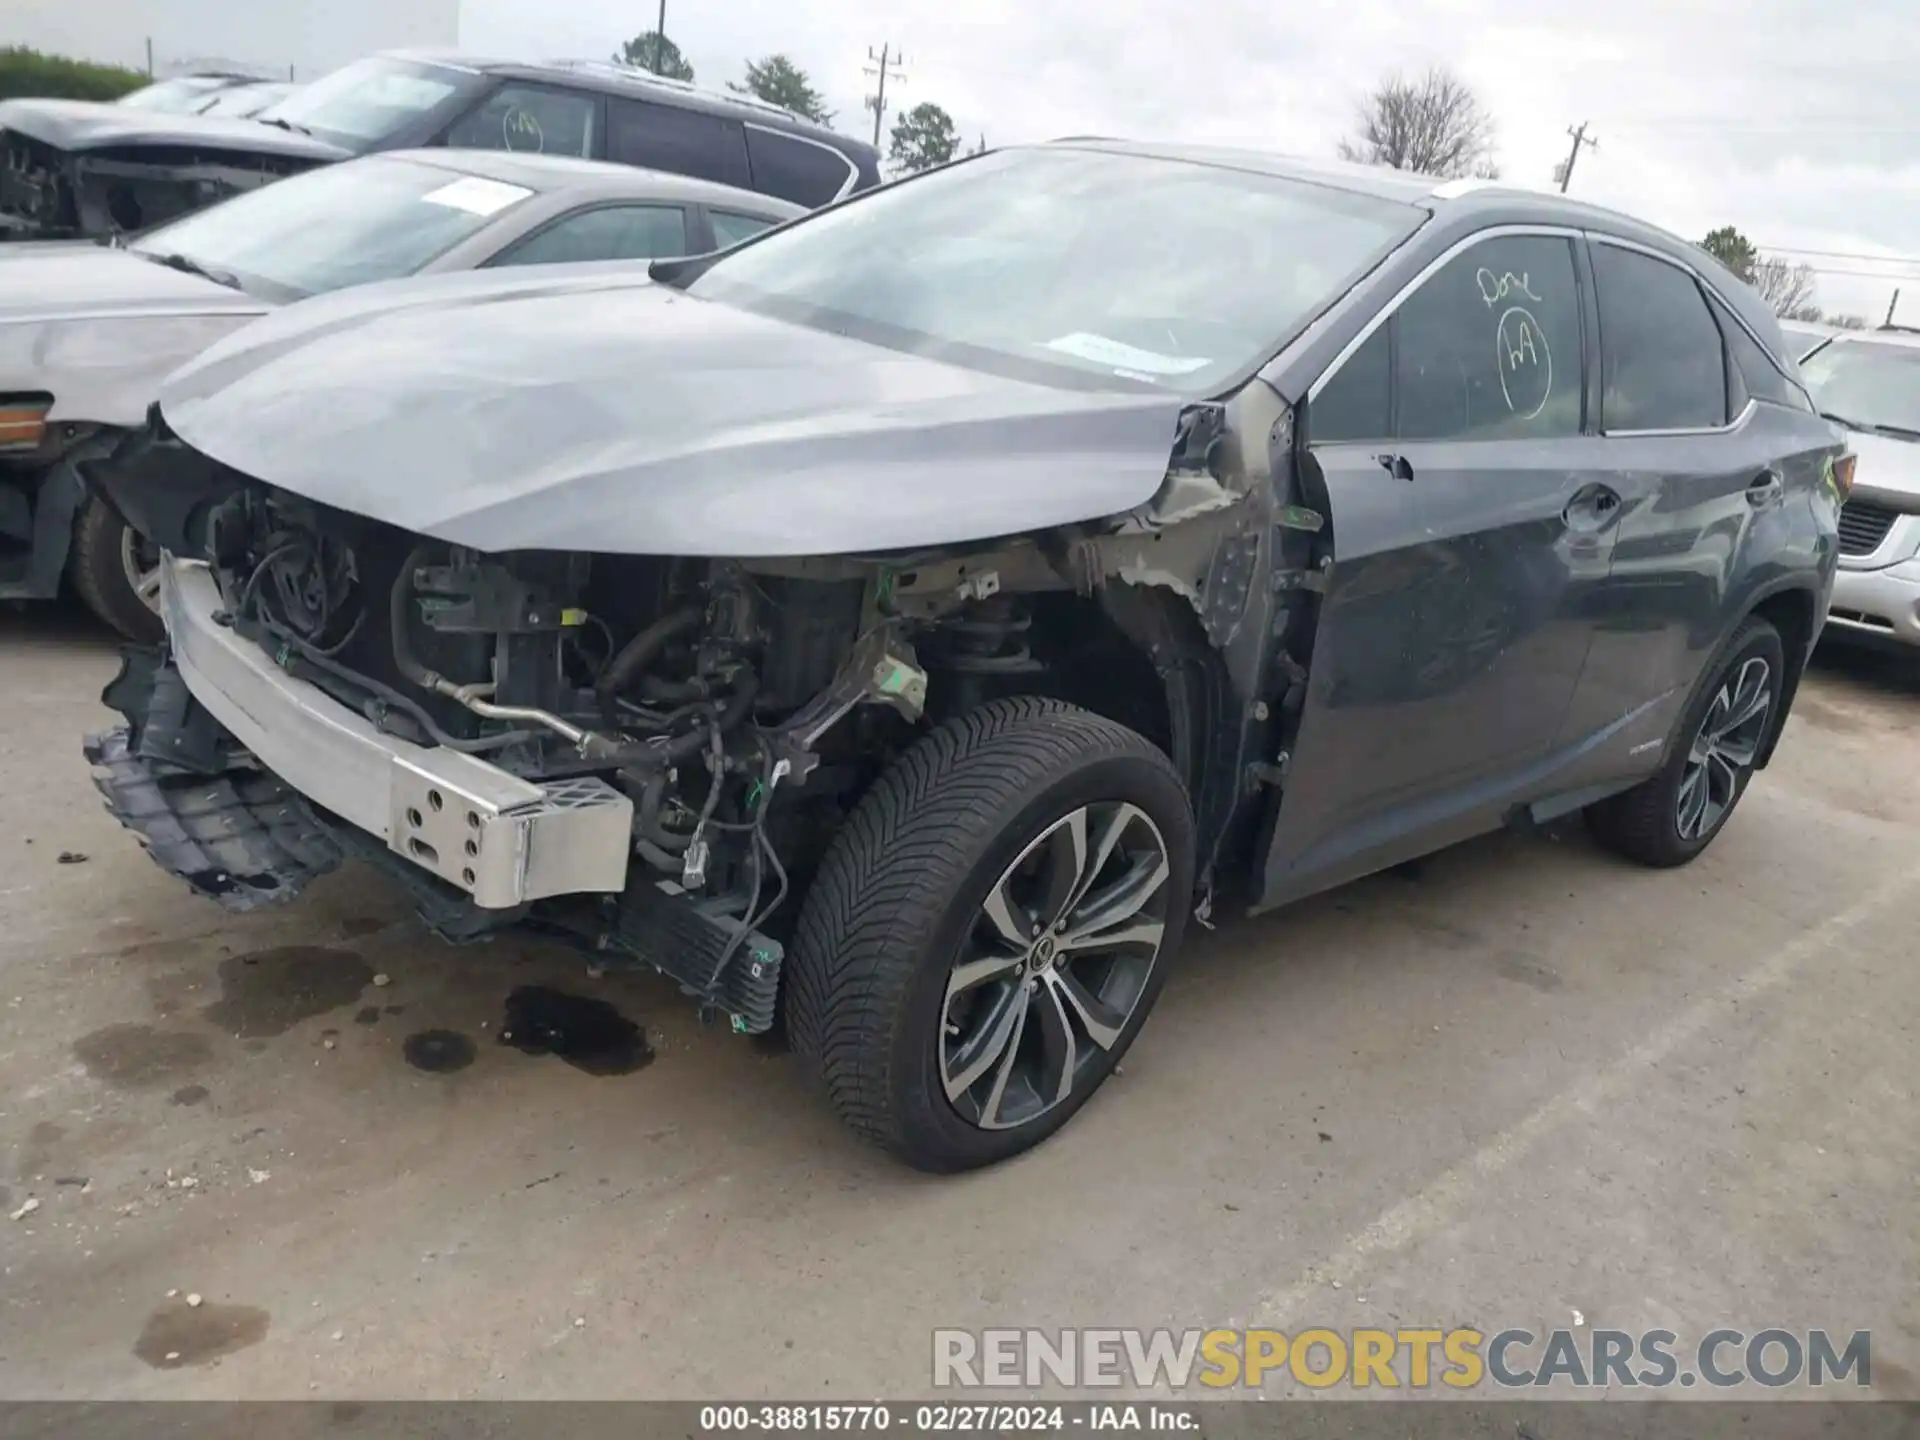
(177, 1334)
(589, 1035)
(270, 991)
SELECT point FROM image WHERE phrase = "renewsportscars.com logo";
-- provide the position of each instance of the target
(1415, 1359)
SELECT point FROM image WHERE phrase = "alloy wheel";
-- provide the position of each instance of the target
(1724, 749)
(1054, 965)
(140, 560)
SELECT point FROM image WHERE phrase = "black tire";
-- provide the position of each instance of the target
(1645, 823)
(97, 567)
(901, 890)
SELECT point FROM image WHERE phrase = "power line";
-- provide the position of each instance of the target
(1838, 254)
(1861, 274)
(877, 102)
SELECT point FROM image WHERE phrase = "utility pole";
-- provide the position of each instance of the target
(1888, 322)
(1565, 168)
(660, 37)
(877, 102)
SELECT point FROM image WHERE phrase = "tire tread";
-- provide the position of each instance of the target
(893, 869)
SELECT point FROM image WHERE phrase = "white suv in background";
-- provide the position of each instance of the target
(1869, 381)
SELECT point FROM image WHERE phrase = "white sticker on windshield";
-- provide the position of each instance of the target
(476, 195)
(1102, 351)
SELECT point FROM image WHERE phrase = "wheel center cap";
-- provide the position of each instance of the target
(1041, 956)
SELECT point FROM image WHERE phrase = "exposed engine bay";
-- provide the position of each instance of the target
(646, 755)
(47, 193)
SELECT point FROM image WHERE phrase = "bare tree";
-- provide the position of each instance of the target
(1787, 287)
(1431, 123)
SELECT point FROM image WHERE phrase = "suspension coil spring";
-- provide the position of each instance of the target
(991, 639)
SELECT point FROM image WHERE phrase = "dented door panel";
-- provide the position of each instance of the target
(1453, 631)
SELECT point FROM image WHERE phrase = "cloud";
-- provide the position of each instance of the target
(1793, 121)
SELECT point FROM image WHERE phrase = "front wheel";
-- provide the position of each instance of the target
(989, 929)
(1670, 818)
(116, 571)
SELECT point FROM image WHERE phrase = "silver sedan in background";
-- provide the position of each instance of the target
(87, 332)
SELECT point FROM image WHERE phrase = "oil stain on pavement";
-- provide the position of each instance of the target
(268, 992)
(139, 1057)
(177, 1334)
(438, 1052)
(588, 1034)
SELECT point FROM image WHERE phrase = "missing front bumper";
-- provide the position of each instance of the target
(502, 840)
(242, 838)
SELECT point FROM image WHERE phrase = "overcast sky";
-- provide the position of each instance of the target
(1801, 130)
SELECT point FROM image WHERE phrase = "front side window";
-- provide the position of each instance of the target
(1070, 263)
(1487, 348)
(1867, 385)
(614, 232)
(530, 119)
(376, 218)
(1663, 365)
(365, 102)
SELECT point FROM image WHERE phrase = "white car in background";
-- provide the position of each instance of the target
(1869, 382)
(87, 332)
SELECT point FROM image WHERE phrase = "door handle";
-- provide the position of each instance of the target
(1591, 507)
(1398, 466)
(1766, 486)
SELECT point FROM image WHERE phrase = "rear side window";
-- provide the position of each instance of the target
(731, 229)
(531, 119)
(1663, 364)
(686, 142)
(613, 232)
(806, 172)
(1488, 348)
(1757, 375)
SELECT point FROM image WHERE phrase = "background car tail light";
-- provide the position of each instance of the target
(1843, 474)
(23, 421)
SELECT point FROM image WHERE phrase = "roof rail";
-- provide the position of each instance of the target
(614, 69)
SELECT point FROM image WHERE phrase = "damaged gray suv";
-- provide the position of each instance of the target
(898, 626)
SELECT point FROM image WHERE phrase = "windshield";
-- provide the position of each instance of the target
(180, 96)
(1180, 275)
(367, 100)
(1867, 385)
(245, 100)
(371, 219)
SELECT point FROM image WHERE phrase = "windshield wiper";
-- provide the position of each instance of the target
(190, 266)
(283, 124)
(1871, 427)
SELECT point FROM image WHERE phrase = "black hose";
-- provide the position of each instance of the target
(403, 656)
(320, 660)
(642, 651)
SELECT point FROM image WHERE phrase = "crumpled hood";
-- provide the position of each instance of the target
(79, 125)
(606, 413)
(1887, 467)
(99, 329)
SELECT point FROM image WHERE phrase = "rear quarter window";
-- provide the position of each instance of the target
(806, 172)
(1758, 375)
